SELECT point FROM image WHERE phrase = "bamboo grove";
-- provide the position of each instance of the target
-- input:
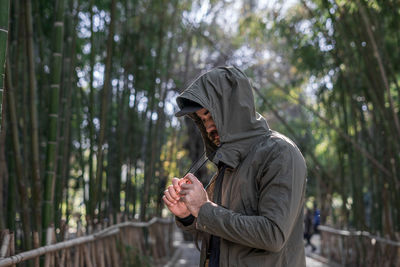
(84, 120)
(88, 133)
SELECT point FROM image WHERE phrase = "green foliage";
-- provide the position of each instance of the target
(321, 74)
(327, 45)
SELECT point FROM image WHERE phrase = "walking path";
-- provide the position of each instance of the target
(187, 255)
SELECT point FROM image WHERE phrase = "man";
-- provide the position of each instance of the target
(309, 229)
(252, 211)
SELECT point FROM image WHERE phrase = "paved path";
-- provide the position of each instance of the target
(187, 254)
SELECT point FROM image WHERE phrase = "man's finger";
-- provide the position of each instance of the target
(192, 178)
(167, 202)
(172, 192)
(184, 192)
(168, 196)
(175, 184)
(187, 186)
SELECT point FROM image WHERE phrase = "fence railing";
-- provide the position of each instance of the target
(123, 244)
(358, 248)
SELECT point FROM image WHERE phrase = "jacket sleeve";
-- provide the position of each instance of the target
(186, 227)
(281, 197)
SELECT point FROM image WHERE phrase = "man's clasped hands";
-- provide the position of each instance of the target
(185, 196)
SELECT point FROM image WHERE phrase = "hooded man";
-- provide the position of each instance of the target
(251, 213)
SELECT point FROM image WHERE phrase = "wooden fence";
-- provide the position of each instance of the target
(358, 248)
(123, 244)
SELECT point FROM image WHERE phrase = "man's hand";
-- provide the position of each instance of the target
(193, 194)
(173, 200)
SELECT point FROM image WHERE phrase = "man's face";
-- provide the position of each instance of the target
(209, 124)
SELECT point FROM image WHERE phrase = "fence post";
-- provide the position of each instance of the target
(48, 256)
(36, 244)
(86, 253)
(114, 252)
(5, 244)
(81, 251)
(77, 248)
(12, 245)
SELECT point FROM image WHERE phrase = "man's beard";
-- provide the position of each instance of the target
(214, 137)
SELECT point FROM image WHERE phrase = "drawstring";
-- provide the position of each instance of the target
(218, 186)
(213, 250)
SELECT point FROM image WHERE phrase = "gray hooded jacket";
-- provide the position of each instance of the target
(260, 219)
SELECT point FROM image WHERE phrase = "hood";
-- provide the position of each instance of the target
(226, 92)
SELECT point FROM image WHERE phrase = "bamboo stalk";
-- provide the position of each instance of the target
(52, 144)
(90, 205)
(65, 119)
(104, 108)
(4, 173)
(4, 13)
(37, 183)
(23, 193)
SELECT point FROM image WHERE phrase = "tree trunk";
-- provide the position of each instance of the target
(43, 77)
(22, 185)
(92, 188)
(3, 165)
(51, 149)
(104, 109)
(11, 203)
(150, 151)
(66, 114)
(37, 183)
